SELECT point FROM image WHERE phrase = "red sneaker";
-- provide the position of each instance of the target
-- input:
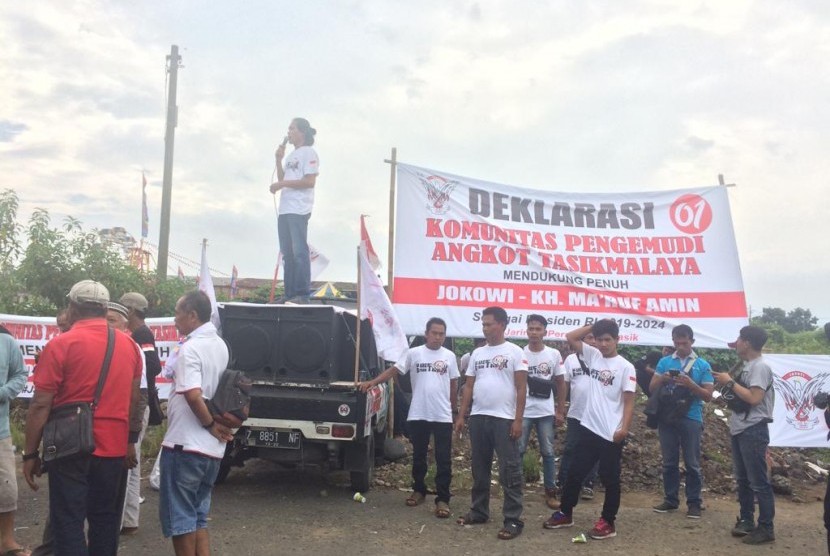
(558, 520)
(602, 530)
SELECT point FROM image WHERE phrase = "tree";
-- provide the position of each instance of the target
(797, 320)
(35, 280)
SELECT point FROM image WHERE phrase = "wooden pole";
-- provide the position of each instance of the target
(357, 333)
(393, 164)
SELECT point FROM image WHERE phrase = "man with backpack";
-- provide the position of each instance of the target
(685, 382)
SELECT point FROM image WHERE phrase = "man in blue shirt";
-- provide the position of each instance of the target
(683, 370)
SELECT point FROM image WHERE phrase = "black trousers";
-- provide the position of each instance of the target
(590, 449)
(419, 433)
(91, 489)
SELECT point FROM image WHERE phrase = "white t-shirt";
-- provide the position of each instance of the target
(301, 162)
(202, 359)
(609, 378)
(493, 367)
(545, 364)
(579, 386)
(430, 371)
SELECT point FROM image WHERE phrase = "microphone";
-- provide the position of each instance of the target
(285, 141)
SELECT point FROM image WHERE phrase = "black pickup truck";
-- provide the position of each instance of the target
(305, 409)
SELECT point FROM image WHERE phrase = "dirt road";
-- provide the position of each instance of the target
(261, 511)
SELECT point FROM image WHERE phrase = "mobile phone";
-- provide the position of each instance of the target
(674, 373)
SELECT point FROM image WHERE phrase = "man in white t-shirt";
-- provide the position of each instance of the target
(497, 388)
(606, 419)
(434, 375)
(544, 377)
(577, 383)
(296, 181)
(194, 443)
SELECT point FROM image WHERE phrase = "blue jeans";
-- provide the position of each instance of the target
(489, 434)
(293, 232)
(684, 434)
(184, 491)
(571, 440)
(545, 433)
(749, 460)
(91, 489)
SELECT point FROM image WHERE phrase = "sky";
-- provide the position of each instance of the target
(554, 95)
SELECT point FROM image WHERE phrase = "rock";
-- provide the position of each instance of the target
(781, 485)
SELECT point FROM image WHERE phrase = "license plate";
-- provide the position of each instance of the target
(274, 439)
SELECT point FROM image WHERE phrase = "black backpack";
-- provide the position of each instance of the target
(233, 395)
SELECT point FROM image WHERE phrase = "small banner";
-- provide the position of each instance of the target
(797, 422)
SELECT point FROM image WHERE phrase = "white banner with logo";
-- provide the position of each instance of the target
(32, 333)
(797, 422)
(650, 260)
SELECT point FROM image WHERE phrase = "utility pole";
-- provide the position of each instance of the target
(173, 63)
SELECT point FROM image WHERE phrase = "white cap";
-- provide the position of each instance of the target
(89, 291)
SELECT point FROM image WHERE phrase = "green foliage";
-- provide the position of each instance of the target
(797, 320)
(531, 468)
(35, 280)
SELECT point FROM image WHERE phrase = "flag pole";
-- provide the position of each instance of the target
(393, 164)
(357, 334)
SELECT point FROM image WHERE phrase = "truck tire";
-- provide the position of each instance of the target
(224, 470)
(361, 481)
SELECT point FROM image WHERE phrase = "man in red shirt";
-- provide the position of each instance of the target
(86, 487)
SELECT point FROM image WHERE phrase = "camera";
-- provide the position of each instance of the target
(821, 400)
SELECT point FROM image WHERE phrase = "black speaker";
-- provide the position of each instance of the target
(284, 343)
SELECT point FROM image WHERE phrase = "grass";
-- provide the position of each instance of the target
(531, 468)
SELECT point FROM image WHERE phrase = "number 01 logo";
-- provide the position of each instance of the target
(691, 214)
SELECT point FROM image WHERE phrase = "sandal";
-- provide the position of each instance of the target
(470, 519)
(442, 510)
(510, 531)
(415, 499)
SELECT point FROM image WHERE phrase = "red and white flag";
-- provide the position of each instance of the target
(319, 262)
(375, 306)
(374, 260)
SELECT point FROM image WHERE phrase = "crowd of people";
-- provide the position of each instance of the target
(105, 358)
(509, 392)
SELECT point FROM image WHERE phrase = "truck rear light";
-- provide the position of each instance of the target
(322, 429)
(342, 431)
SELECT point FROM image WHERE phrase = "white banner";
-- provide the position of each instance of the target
(797, 422)
(650, 260)
(32, 333)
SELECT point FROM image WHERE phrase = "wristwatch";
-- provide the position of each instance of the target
(33, 455)
(730, 384)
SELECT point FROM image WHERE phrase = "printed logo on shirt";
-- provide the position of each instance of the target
(440, 367)
(542, 369)
(604, 376)
(499, 362)
(292, 165)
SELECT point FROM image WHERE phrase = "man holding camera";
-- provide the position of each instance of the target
(690, 377)
(749, 427)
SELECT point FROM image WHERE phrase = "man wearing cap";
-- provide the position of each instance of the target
(117, 319)
(137, 310)
(86, 487)
(750, 436)
(13, 376)
(195, 440)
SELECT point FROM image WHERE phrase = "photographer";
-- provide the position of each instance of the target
(685, 381)
(751, 397)
(822, 401)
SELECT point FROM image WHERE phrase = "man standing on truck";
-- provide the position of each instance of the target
(194, 443)
(434, 374)
(497, 388)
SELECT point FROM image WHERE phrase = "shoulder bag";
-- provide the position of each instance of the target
(68, 432)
